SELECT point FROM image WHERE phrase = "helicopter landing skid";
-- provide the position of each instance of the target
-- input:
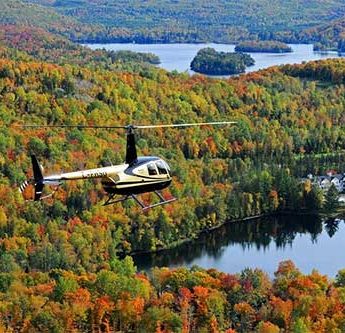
(163, 201)
(110, 200)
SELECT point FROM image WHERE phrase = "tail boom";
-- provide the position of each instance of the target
(39, 180)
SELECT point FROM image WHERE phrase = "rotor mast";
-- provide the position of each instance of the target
(131, 150)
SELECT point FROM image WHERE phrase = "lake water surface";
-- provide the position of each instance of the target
(262, 243)
(179, 56)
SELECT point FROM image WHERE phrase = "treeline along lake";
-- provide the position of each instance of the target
(179, 56)
(310, 242)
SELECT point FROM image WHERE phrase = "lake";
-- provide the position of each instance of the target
(261, 243)
(179, 56)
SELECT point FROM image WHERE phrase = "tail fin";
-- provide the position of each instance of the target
(38, 177)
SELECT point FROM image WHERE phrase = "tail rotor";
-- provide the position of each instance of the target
(23, 186)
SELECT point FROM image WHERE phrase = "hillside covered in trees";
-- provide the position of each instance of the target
(59, 266)
(116, 298)
(23, 42)
(285, 116)
(231, 172)
(279, 117)
(173, 21)
(21, 13)
(327, 36)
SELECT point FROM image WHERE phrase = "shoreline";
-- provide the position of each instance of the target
(85, 43)
(175, 244)
(204, 231)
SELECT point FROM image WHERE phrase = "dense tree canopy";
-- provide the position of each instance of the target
(59, 266)
(327, 36)
(176, 21)
(209, 61)
(178, 300)
(262, 46)
(40, 44)
(244, 170)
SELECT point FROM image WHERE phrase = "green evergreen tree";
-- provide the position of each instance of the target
(314, 198)
(331, 199)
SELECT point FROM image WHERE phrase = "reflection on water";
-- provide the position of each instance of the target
(332, 226)
(263, 243)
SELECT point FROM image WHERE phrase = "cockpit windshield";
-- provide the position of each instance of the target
(161, 166)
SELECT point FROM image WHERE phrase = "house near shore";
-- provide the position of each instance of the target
(325, 182)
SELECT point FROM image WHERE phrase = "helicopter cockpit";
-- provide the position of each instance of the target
(152, 168)
(158, 168)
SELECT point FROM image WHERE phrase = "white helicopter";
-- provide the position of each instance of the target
(136, 176)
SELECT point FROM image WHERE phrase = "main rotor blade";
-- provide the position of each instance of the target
(187, 125)
(72, 126)
(131, 126)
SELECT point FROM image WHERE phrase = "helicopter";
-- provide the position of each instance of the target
(137, 175)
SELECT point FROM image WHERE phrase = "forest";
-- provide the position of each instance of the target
(327, 36)
(262, 46)
(285, 116)
(209, 61)
(26, 43)
(117, 299)
(248, 169)
(59, 259)
(176, 21)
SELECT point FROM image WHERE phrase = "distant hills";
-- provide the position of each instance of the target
(25, 13)
(330, 35)
(26, 43)
(169, 21)
(186, 21)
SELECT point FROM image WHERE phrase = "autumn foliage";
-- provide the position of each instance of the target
(93, 302)
(59, 266)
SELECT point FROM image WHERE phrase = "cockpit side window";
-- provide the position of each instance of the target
(152, 169)
(161, 168)
(167, 166)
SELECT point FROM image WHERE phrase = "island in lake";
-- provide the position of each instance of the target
(209, 61)
(130, 56)
(263, 46)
